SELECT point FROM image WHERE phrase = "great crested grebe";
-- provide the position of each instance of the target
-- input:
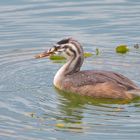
(94, 83)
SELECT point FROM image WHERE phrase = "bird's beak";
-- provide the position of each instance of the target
(49, 52)
(44, 54)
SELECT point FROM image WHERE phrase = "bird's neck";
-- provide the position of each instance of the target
(72, 66)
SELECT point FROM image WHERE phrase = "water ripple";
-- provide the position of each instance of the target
(31, 108)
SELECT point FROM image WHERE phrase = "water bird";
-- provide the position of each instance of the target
(93, 83)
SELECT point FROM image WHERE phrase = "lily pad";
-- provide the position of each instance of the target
(122, 49)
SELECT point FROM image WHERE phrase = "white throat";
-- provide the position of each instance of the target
(73, 65)
(59, 76)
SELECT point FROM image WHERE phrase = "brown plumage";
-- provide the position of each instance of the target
(104, 84)
(98, 84)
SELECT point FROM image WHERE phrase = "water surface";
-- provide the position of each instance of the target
(30, 107)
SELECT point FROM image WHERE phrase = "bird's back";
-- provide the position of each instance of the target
(98, 84)
(93, 77)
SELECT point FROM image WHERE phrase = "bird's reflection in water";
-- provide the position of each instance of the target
(73, 106)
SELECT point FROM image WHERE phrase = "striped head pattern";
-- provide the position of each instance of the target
(69, 48)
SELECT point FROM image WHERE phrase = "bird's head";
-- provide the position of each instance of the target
(68, 48)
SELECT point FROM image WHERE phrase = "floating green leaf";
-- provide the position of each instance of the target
(122, 49)
(97, 51)
(57, 57)
(87, 54)
(60, 125)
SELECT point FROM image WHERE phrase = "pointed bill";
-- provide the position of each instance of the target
(49, 52)
(44, 54)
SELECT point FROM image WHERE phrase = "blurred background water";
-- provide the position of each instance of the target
(30, 107)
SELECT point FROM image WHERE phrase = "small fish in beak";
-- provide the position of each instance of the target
(48, 53)
(44, 54)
